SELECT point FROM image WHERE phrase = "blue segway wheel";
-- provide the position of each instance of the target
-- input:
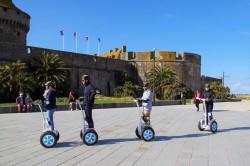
(148, 134)
(90, 137)
(48, 139)
(213, 126)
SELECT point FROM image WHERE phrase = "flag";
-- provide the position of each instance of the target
(75, 34)
(87, 37)
(99, 40)
(62, 32)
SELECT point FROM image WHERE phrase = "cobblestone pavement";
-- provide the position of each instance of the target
(177, 141)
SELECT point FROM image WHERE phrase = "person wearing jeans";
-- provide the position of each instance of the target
(50, 102)
(208, 95)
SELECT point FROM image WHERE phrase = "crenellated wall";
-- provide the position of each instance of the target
(101, 70)
(187, 66)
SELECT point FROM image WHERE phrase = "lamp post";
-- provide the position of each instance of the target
(154, 77)
(223, 78)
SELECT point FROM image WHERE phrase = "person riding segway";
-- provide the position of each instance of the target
(207, 122)
(88, 133)
(50, 135)
(144, 129)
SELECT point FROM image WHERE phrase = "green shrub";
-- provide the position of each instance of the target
(128, 89)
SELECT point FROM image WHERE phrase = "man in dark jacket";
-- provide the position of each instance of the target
(50, 102)
(208, 95)
(88, 99)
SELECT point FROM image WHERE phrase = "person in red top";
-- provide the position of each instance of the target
(71, 100)
(197, 97)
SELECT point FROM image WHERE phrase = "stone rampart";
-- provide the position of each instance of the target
(101, 70)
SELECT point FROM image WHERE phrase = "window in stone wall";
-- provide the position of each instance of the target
(5, 9)
(95, 58)
(18, 12)
(29, 50)
(18, 33)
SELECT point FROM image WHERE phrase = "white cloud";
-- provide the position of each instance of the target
(238, 88)
(167, 15)
(245, 33)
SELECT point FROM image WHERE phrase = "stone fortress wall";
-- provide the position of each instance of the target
(101, 70)
(187, 66)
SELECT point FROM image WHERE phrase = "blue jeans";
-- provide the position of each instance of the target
(50, 118)
(210, 109)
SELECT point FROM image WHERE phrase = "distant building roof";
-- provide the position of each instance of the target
(8, 4)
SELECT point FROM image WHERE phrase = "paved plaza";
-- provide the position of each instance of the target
(177, 141)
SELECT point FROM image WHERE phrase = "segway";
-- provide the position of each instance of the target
(143, 131)
(88, 135)
(206, 123)
(49, 138)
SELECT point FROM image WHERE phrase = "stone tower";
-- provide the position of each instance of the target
(14, 26)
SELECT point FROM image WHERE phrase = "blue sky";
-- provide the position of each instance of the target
(218, 30)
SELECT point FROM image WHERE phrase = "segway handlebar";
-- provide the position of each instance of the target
(202, 99)
(137, 103)
(39, 102)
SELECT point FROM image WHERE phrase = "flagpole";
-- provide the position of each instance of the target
(63, 42)
(76, 44)
(88, 47)
(98, 48)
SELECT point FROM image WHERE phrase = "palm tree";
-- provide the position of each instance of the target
(8, 72)
(7, 76)
(164, 79)
(25, 81)
(49, 67)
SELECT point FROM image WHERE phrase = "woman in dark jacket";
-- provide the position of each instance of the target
(50, 102)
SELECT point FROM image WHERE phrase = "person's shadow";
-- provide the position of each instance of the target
(205, 133)
(68, 144)
(156, 138)
(116, 140)
(233, 129)
(167, 138)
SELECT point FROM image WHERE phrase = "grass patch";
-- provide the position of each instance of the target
(245, 98)
(7, 104)
(98, 100)
(114, 100)
(64, 101)
(188, 101)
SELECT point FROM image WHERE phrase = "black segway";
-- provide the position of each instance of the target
(88, 135)
(49, 138)
(143, 131)
(206, 123)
